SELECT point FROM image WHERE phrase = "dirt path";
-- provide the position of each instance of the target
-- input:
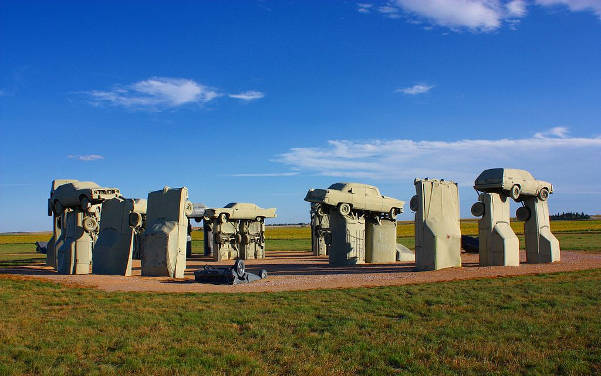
(303, 271)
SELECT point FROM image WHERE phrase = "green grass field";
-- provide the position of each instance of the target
(544, 324)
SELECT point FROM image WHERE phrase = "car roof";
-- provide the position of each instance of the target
(241, 204)
(347, 186)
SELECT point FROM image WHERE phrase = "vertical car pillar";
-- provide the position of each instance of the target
(113, 251)
(51, 247)
(348, 239)
(75, 253)
(380, 240)
(207, 226)
(541, 245)
(320, 229)
(437, 231)
(166, 233)
(252, 245)
(498, 244)
(226, 245)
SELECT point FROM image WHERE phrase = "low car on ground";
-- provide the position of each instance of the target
(355, 196)
(513, 183)
(240, 210)
(81, 194)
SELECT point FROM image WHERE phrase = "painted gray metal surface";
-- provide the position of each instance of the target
(380, 240)
(164, 241)
(541, 245)
(404, 254)
(320, 229)
(437, 230)
(498, 244)
(513, 183)
(113, 251)
(348, 239)
(76, 243)
(356, 196)
(252, 239)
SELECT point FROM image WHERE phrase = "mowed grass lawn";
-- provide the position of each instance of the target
(545, 324)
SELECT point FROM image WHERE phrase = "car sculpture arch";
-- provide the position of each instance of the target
(513, 183)
(355, 196)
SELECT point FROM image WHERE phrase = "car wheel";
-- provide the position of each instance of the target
(414, 203)
(523, 214)
(259, 219)
(222, 217)
(515, 192)
(239, 268)
(344, 209)
(478, 209)
(393, 212)
(543, 194)
(90, 224)
(188, 209)
(320, 210)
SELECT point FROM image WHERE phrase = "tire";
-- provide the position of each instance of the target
(478, 209)
(263, 274)
(514, 193)
(344, 209)
(223, 217)
(239, 268)
(543, 194)
(85, 203)
(414, 203)
(393, 212)
(522, 214)
(320, 211)
(135, 219)
(90, 224)
(259, 219)
(188, 208)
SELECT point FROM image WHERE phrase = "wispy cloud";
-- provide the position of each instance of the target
(575, 5)
(266, 174)
(472, 15)
(158, 93)
(248, 95)
(552, 155)
(85, 157)
(415, 89)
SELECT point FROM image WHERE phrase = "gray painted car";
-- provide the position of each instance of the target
(348, 196)
(513, 183)
(81, 194)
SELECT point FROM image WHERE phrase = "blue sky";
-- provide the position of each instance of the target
(258, 101)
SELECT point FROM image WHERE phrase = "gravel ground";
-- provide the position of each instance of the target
(302, 271)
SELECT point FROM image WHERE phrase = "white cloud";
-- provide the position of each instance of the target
(548, 155)
(473, 15)
(575, 5)
(560, 132)
(415, 89)
(248, 95)
(364, 8)
(516, 8)
(86, 157)
(389, 11)
(266, 174)
(156, 92)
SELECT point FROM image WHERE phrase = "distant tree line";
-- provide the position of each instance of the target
(569, 216)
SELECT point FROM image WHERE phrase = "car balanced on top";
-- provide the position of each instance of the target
(356, 196)
(512, 183)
